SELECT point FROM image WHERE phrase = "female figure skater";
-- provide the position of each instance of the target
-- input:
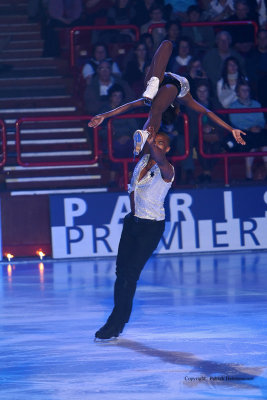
(163, 89)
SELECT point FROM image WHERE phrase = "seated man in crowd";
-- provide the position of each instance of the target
(96, 93)
(253, 124)
(100, 53)
(214, 58)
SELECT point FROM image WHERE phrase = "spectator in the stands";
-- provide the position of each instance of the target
(122, 13)
(136, 68)
(195, 74)
(219, 10)
(253, 124)
(156, 17)
(121, 132)
(212, 134)
(96, 93)
(201, 36)
(142, 10)
(262, 11)
(96, 11)
(226, 86)
(214, 58)
(242, 35)
(61, 14)
(184, 55)
(256, 65)
(174, 33)
(148, 40)
(99, 53)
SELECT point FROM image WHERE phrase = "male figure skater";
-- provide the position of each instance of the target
(142, 228)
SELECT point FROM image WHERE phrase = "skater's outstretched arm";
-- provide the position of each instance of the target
(190, 102)
(98, 119)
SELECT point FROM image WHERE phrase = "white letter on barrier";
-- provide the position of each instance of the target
(73, 207)
(184, 207)
(228, 205)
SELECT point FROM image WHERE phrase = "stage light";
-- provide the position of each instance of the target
(40, 254)
(9, 256)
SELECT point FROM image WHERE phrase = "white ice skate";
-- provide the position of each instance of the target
(151, 89)
(139, 138)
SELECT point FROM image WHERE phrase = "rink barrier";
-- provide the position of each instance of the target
(19, 123)
(127, 161)
(4, 143)
(225, 156)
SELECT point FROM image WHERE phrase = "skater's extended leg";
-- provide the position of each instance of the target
(156, 70)
(165, 97)
(159, 61)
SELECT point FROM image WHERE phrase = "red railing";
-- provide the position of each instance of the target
(75, 31)
(210, 23)
(3, 139)
(126, 161)
(226, 156)
(20, 121)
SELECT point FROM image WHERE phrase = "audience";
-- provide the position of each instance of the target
(148, 40)
(242, 35)
(195, 74)
(202, 36)
(99, 53)
(121, 132)
(156, 17)
(226, 86)
(214, 58)
(214, 66)
(142, 12)
(256, 65)
(179, 64)
(135, 70)
(61, 14)
(253, 124)
(122, 13)
(212, 134)
(96, 92)
(220, 10)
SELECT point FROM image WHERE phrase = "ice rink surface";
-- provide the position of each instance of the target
(197, 331)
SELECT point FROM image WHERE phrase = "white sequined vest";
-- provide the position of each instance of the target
(149, 192)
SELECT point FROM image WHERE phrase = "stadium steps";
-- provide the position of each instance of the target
(37, 86)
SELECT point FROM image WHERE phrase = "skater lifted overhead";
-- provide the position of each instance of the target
(163, 89)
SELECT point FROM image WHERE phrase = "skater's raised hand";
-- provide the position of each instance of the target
(96, 121)
(152, 135)
(237, 135)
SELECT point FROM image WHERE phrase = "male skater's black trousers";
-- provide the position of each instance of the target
(139, 239)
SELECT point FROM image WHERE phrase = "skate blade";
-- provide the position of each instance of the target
(137, 144)
(112, 340)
